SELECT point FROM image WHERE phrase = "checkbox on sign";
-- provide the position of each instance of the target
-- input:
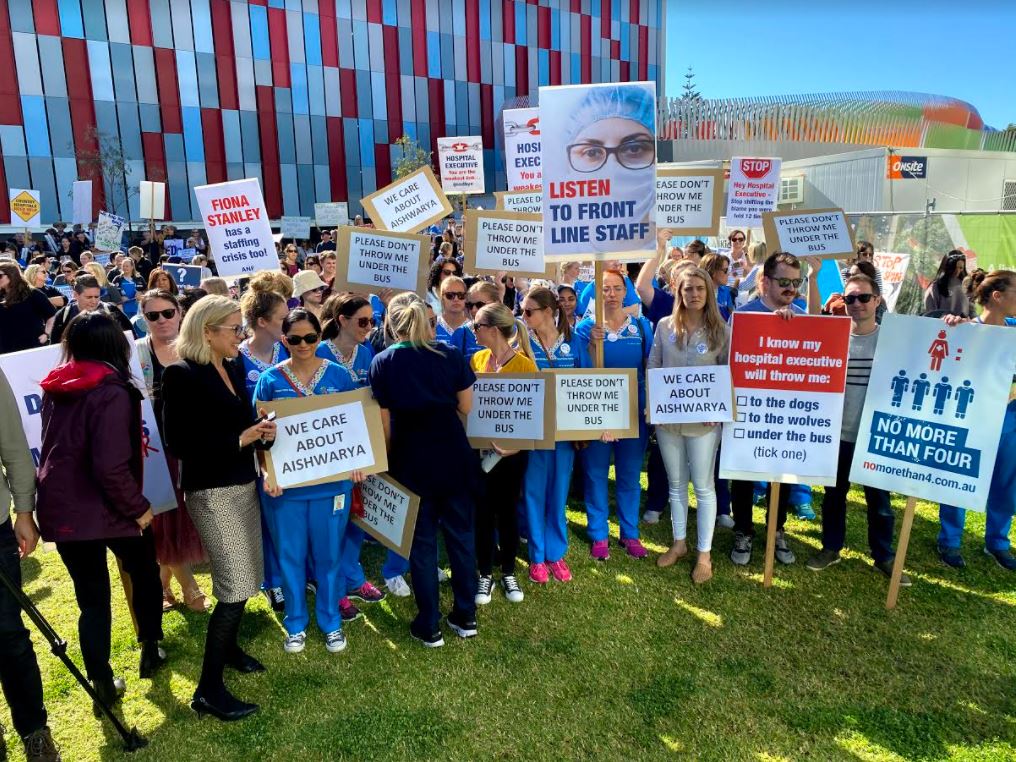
(740, 417)
(738, 433)
(742, 400)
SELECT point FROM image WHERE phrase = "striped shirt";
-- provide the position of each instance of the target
(859, 359)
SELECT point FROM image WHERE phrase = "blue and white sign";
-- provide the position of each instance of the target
(185, 275)
(933, 414)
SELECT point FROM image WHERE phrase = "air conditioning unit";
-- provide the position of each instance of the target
(792, 189)
(1009, 196)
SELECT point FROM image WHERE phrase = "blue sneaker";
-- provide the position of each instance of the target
(804, 511)
(1004, 558)
(951, 557)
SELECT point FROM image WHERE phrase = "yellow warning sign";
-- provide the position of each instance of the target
(25, 206)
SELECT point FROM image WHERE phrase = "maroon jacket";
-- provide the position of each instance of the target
(91, 467)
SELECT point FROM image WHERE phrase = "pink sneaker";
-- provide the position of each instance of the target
(600, 550)
(635, 548)
(538, 574)
(560, 571)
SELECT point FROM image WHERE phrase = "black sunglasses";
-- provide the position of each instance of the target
(529, 312)
(737, 239)
(365, 322)
(862, 298)
(476, 305)
(454, 294)
(788, 282)
(481, 325)
(310, 338)
(153, 317)
(448, 272)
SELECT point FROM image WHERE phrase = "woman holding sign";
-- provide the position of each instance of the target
(694, 335)
(319, 511)
(627, 341)
(548, 474)
(497, 523)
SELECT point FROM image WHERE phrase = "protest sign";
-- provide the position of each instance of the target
(598, 156)
(26, 208)
(591, 401)
(700, 394)
(324, 438)
(102, 259)
(689, 200)
(172, 246)
(460, 161)
(389, 513)
(408, 205)
(239, 234)
(81, 202)
(504, 241)
(373, 260)
(295, 227)
(25, 370)
(332, 214)
(522, 149)
(515, 410)
(815, 233)
(109, 232)
(186, 255)
(788, 378)
(830, 279)
(894, 269)
(754, 188)
(185, 275)
(934, 409)
(67, 292)
(528, 202)
(153, 200)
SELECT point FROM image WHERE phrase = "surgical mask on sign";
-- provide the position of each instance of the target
(627, 185)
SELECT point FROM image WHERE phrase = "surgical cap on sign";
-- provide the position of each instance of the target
(633, 102)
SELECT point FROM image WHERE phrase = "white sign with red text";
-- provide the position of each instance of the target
(239, 234)
(460, 160)
(754, 188)
(522, 149)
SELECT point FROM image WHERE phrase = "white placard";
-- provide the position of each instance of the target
(295, 227)
(504, 241)
(527, 202)
(383, 260)
(109, 232)
(460, 161)
(522, 149)
(409, 204)
(505, 408)
(26, 208)
(239, 234)
(754, 188)
(152, 196)
(934, 410)
(331, 214)
(894, 270)
(594, 401)
(816, 233)
(688, 202)
(700, 394)
(389, 512)
(81, 195)
(321, 443)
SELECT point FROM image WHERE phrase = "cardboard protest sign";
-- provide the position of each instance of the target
(591, 401)
(528, 202)
(515, 410)
(26, 208)
(172, 246)
(389, 513)
(788, 378)
(598, 156)
(153, 200)
(522, 149)
(81, 202)
(185, 275)
(934, 410)
(295, 227)
(25, 370)
(373, 260)
(700, 394)
(332, 214)
(504, 241)
(894, 270)
(815, 233)
(754, 188)
(460, 162)
(109, 232)
(689, 200)
(239, 233)
(408, 205)
(324, 438)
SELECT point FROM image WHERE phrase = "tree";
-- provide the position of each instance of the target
(413, 157)
(106, 161)
(688, 89)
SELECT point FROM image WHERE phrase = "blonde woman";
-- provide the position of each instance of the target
(36, 277)
(695, 334)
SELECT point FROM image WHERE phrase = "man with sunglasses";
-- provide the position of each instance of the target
(862, 297)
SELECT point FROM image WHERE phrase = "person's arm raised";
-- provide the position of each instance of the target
(644, 283)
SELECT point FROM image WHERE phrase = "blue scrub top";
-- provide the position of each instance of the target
(462, 338)
(358, 369)
(253, 367)
(277, 383)
(725, 300)
(629, 349)
(563, 354)
(589, 292)
(379, 309)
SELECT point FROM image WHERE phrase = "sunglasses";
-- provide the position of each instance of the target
(365, 322)
(454, 294)
(238, 330)
(481, 325)
(476, 305)
(862, 298)
(433, 322)
(448, 272)
(153, 317)
(310, 338)
(737, 239)
(529, 312)
(788, 282)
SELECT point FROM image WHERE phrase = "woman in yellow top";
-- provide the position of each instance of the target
(506, 350)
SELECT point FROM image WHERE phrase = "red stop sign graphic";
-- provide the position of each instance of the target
(755, 168)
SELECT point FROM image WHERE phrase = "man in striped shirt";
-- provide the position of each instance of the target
(862, 297)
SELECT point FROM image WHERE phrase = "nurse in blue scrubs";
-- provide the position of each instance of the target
(480, 294)
(548, 474)
(453, 321)
(307, 523)
(263, 313)
(586, 295)
(627, 341)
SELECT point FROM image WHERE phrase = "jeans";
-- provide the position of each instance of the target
(834, 512)
(19, 670)
(86, 563)
(741, 493)
(497, 524)
(691, 458)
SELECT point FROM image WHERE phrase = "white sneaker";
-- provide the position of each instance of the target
(483, 588)
(398, 586)
(511, 589)
(723, 520)
(335, 641)
(651, 517)
(442, 575)
(293, 644)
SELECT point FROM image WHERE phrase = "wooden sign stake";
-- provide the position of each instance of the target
(774, 510)
(598, 313)
(901, 553)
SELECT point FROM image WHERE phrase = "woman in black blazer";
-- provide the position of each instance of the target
(209, 425)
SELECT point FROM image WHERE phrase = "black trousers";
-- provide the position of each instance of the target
(86, 563)
(741, 493)
(19, 671)
(497, 520)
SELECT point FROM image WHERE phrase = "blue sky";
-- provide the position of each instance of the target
(964, 49)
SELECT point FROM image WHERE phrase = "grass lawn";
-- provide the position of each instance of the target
(627, 662)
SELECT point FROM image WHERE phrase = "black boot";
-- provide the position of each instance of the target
(152, 657)
(211, 696)
(244, 663)
(40, 747)
(109, 690)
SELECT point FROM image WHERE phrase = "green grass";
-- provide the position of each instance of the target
(627, 662)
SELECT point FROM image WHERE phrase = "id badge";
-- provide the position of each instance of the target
(339, 504)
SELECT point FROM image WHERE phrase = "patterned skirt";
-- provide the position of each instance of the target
(229, 522)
